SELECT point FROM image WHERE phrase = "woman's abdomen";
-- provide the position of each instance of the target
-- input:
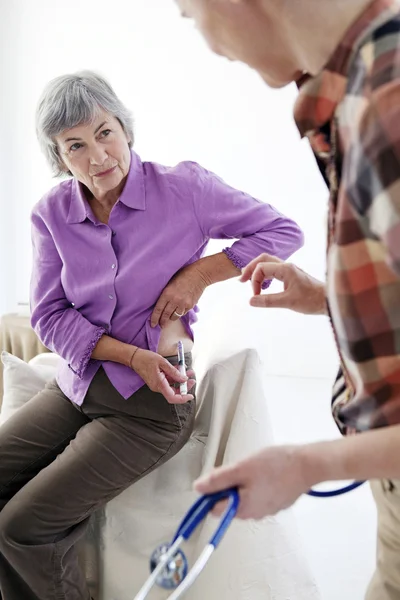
(170, 336)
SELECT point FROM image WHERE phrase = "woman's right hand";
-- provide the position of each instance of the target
(160, 375)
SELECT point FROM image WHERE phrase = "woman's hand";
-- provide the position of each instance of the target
(268, 482)
(180, 295)
(160, 376)
(302, 293)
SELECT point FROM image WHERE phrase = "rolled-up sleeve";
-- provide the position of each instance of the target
(60, 327)
(226, 213)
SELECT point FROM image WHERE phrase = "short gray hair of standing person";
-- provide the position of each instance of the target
(71, 100)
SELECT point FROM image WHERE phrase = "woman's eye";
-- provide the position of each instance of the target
(75, 147)
(105, 132)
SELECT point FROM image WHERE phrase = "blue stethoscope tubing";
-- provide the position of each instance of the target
(190, 522)
(195, 515)
(338, 492)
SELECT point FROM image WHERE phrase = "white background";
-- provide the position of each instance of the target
(190, 104)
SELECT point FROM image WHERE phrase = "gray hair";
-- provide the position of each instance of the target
(72, 100)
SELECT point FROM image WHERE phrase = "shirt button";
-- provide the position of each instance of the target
(111, 297)
(113, 266)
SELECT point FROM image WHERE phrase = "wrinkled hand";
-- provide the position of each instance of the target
(268, 482)
(160, 376)
(180, 295)
(302, 293)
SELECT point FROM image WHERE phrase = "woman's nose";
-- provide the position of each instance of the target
(98, 155)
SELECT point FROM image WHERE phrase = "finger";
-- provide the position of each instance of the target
(173, 395)
(178, 313)
(166, 390)
(219, 479)
(190, 384)
(176, 386)
(180, 399)
(158, 310)
(172, 373)
(167, 314)
(220, 508)
(265, 271)
(189, 373)
(281, 300)
(258, 277)
(170, 393)
(247, 272)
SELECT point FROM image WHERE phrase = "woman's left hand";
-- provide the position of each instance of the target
(180, 295)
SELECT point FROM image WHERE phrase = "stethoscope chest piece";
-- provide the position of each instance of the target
(168, 564)
(174, 571)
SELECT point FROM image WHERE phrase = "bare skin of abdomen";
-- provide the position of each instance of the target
(170, 336)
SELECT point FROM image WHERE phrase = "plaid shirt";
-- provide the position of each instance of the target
(350, 113)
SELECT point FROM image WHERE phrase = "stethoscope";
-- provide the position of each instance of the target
(338, 492)
(168, 563)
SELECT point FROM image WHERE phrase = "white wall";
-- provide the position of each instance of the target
(188, 104)
(8, 286)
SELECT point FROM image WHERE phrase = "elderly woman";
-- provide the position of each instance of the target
(117, 274)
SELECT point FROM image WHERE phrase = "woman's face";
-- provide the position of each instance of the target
(241, 30)
(97, 154)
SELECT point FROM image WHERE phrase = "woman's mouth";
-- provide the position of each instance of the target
(107, 172)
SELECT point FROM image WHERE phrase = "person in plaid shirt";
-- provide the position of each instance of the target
(345, 57)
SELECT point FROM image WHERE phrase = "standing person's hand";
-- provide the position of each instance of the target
(268, 482)
(160, 376)
(180, 295)
(302, 293)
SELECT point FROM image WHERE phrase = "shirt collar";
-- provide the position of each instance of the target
(320, 95)
(133, 195)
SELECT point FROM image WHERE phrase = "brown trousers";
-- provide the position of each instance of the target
(385, 584)
(59, 463)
